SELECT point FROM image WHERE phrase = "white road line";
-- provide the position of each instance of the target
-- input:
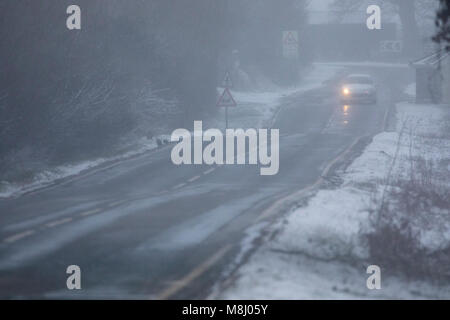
(330, 121)
(194, 274)
(194, 178)
(179, 186)
(91, 212)
(114, 204)
(209, 171)
(19, 236)
(58, 222)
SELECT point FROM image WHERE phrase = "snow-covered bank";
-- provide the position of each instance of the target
(46, 178)
(318, 252)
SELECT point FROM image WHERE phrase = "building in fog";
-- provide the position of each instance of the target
(344, 36)
(349, 41)
(433, 78)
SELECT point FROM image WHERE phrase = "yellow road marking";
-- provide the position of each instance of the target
(194, 274)
(19, 236)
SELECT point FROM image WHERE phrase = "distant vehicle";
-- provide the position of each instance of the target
(358, 88)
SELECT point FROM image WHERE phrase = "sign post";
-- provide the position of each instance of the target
(226, 118)
(226, 99)
(290, 44)
(227, 82)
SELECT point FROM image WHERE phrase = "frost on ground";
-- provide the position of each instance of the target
(391, 210)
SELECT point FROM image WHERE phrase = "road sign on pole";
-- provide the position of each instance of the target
(227, 82)
(290, 44)
(226, 100)
(391, 46)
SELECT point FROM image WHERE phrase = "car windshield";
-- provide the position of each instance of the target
(359, 80)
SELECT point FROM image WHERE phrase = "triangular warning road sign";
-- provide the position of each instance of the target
(290, 38)
(226, 99)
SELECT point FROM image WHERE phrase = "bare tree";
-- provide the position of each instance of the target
(443, 23)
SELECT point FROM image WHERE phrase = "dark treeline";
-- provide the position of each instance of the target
(443, 23)
(136, 67)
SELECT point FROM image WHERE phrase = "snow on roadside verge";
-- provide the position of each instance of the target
(317, 252)
(49, 177)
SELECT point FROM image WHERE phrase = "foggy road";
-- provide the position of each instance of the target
(145, 228)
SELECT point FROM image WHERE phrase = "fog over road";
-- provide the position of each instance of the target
(145, 228)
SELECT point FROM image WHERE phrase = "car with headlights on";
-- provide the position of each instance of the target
(358, 88)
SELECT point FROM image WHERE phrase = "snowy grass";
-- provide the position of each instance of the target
(411, 218)
(322, 250)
